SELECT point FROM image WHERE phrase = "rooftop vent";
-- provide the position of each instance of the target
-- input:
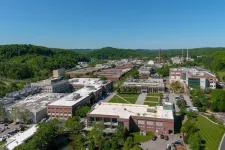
(125, 109)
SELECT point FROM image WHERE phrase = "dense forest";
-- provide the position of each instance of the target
(36, 62)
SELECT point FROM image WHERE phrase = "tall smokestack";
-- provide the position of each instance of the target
(187, 54)
(159, 55)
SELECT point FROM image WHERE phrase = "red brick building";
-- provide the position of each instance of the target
(134, 117)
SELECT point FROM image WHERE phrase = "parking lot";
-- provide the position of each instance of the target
(173, 100)
(160, 144)
(8, 129)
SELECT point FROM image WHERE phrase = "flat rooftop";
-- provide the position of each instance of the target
(39, 101)
(85, 70)
(124, 111)
(87, 81)
(75, 97)
(144, 82)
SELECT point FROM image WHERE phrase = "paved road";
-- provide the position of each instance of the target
(222, 146)
(110, 96)
(186, 97)
(159, 144)
(11, 128)
(141, 98)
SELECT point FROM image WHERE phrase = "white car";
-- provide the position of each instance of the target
(194, 109)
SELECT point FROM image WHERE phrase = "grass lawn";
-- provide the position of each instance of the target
(153, 99)
(211, 133)
(2, 143)
(150, 104)
(129, 95)
(128, 98)
(155, 94)
(141, 138)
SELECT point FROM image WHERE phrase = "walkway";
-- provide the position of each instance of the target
(222, 143)
(141, 98)
(110, 96)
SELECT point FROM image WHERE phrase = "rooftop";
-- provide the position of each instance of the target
(145, 82)
(87, 81)
(124, 111)
(38, 101)
(75, 97)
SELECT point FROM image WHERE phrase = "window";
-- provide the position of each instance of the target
(141, 121)
(114, 120)
(159, 124)
(150, 123)
(98, 119)
(107, 120)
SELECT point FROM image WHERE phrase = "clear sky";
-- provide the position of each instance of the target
(118, 23)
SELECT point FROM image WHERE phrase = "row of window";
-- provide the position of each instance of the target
(142, 122)
(57, 108)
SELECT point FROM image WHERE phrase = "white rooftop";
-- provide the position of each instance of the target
(38, 101)
(124, 111)
(75, 97)
(87, 81)
(20, 138)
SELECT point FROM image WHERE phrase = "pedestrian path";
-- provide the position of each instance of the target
(141, 98)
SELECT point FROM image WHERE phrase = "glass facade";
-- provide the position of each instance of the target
(193, 82)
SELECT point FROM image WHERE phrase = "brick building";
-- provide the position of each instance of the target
(134, 117)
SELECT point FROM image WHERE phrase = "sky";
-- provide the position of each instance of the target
(146, 24)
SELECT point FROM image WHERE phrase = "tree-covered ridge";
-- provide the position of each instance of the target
(36, 62)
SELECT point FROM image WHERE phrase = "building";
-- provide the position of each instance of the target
(113, 74)
(194, 77)
(78, 83)
(133, 117)
(143, 85)
(177, 60)
(144, 72)
(58, 73)
(52, 85)
(89, 92)
(37, 105)
(19, 95)
(84, 71)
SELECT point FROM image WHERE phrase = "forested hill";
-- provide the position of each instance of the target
(36, 62)
(116, 53)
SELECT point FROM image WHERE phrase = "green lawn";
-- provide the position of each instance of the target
(155, 94)
(152, 99)
(2, 143)
(141, 138)
(129, 95)
(150, 104)
(131, 99)
(210, 132)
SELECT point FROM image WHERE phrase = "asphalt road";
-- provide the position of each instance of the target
(186, 97)
(222, 146)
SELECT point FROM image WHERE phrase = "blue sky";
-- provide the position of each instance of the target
(145, 24)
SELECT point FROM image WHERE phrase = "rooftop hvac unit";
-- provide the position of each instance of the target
(151, 110)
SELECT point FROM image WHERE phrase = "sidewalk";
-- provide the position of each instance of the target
(141, 98)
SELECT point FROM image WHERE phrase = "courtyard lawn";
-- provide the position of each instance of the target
(211, 133)
(129, 95)
(150, 103)
(152, 99)
(131, 99)
(155, 94)
(141, 138)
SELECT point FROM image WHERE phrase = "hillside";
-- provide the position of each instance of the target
(36, 62)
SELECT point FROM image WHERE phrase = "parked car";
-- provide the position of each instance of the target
(168, 147)
(161, 136)
(179, 142)
(166, 137)
(6, 124)
(2, 139)
(154, 138)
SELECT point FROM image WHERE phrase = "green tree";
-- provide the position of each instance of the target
(97, 134)
(128, 144)
(82, 111)
(91, 145)
(78, 141)
(103, 78)
(136, 147)
(73, 123)
(195, 141)
(2, 111)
